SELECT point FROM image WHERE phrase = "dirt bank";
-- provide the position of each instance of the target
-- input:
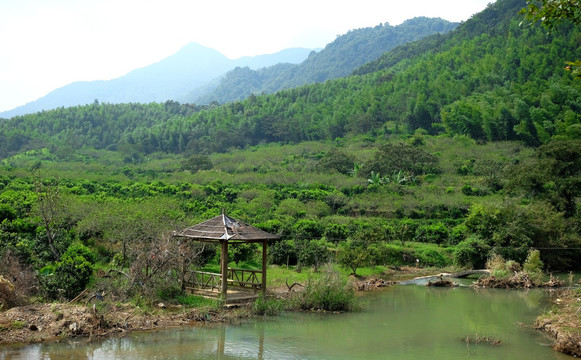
(54, 322)
(563, 322)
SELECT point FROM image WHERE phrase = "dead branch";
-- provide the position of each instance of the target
(118, 272)
(290, 287)
(79, 296)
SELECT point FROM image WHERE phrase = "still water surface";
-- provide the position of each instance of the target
(401, 322)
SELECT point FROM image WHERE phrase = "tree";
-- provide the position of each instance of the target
(554, 174)
(353, 255)
(406, 230)
(197, 162)
(404, 157)
(337, 160)
(315, 253)
(551, 13)
(49, 209)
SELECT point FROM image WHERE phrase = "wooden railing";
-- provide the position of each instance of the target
(205, 280)
(245, 278)
(236, 277)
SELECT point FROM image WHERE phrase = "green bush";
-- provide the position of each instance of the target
(431, 257)
(314, 253)
(77, 249)
(197, 162)
(534, 266)
(457, 234)
(268, 306)
(70, 275)
(471, 253)
(329, 292)
(241, 252)
(283, 253)
(169, 292)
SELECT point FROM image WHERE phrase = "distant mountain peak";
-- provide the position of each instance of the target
(172, 78)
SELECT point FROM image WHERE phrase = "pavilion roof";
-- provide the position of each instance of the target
(223, 227)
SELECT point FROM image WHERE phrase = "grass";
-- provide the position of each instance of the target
(196, 301)
(278, 276)
(367, 271)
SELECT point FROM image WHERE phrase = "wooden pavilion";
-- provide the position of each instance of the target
(224, 230)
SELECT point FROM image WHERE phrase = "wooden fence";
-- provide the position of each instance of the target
(244, 278)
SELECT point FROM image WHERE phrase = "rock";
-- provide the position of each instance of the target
(441, 282)
(7, 294)
(74, 327)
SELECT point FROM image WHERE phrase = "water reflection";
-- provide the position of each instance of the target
(402, 322)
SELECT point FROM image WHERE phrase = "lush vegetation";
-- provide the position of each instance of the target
(337, 59)
(444, 152)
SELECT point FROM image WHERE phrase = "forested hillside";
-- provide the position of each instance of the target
(337, 59)
(508, 83)
(447, 151)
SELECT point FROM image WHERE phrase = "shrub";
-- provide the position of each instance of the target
(496, 262)
(197, 162)
(471, 253)
(394, 255)
(513, 266)
(533, 262)
(406, 230)
(169, 292)
(497, 265)
(430, 257)
(458, 234)
(241, 252)
(202, 253)
(534, 266)
(329, 292)
(70, 275)
(283, 253)
(268, 306)
(77, 249)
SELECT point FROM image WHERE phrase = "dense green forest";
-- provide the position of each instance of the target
(443, 152)
(338, 59)
(490, 79)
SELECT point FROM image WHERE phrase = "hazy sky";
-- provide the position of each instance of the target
(46, 44)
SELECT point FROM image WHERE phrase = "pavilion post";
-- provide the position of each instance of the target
(264, 253)
(224, 270)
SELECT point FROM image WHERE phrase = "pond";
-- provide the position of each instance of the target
(400, 322)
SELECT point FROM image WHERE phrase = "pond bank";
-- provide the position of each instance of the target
(38, 323)
(563, 322)
(56, 322)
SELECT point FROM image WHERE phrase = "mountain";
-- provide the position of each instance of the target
(490, 79)
(172, 78)
(337, 59)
